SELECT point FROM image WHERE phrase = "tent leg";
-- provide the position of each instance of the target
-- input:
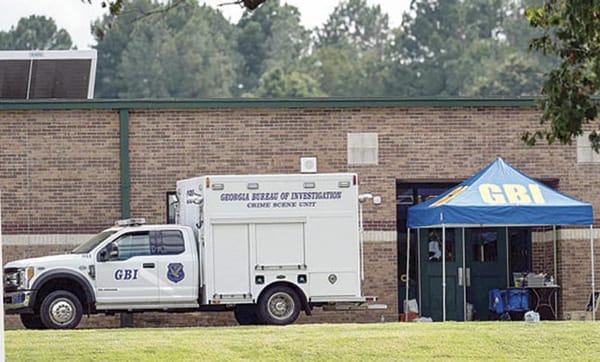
(464, 275)
(554, 244)
(507, 257)
(407, 274)
(419, 268)
(555, 259)
(443, 273)
(593, 273)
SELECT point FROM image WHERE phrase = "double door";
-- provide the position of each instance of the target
(475, 262)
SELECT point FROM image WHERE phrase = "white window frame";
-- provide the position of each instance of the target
(363, 148)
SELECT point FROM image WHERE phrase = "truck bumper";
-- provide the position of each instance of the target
(17, 302)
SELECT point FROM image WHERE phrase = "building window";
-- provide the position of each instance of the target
(172, 207)
(585, 153)
(363, 149)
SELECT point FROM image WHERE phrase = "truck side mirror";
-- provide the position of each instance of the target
(113, 250)
(103, 254)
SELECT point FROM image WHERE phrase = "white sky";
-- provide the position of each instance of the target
(76, 16)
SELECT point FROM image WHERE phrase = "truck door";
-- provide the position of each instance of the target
(177, 268)
(127, 271)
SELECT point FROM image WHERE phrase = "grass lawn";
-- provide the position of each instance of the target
(365, 342)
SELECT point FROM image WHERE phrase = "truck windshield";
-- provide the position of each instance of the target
(93, 242)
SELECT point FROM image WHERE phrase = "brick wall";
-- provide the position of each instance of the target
(574, 267)
(59, 170)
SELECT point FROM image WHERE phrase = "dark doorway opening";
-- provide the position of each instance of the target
(407, 195)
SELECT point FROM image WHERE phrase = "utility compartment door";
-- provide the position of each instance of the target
(231, 260)
(280, 245)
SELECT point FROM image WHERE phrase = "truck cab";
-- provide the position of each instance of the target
(128, 267)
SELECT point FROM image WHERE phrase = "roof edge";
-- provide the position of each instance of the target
(46, 104)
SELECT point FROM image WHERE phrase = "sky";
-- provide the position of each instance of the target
(76, 16)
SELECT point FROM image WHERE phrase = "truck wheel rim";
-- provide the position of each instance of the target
(281, 306)
(62, 311)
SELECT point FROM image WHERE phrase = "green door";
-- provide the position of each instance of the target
(431, 274)
(486, 262)
(486, 268)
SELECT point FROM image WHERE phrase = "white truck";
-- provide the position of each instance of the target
(265, 246)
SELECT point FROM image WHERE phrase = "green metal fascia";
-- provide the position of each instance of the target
(265, 103)
(124, 158)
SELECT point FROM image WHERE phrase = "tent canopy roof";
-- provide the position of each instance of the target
(500, 194)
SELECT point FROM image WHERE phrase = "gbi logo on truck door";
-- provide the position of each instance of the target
(127, 270)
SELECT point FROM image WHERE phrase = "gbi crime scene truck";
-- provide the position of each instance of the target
(264, 246)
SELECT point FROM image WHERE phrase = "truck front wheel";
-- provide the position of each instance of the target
(32, 321)
(61, 310)
(279, 305)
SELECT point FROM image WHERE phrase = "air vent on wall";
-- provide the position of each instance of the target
(308, 164)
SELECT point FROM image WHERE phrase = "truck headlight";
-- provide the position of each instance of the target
(18, 278)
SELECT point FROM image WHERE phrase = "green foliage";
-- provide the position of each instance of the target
(111, 45)
(349, 54)
(434, 50)
(277, 84)
(268, 38)
(354, 23)
(176, 48)
(35, 33)
(571, 30)
(186, 52)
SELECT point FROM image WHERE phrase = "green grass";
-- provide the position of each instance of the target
(363, 342)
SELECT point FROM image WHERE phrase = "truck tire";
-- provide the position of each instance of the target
(61, 310)
(32, 321)
(279, 305)
(246, 315)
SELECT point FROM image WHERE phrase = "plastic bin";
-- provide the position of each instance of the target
(508, 300)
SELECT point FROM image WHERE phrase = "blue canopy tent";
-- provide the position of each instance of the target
(499, 195)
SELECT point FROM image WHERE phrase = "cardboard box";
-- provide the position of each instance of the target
(411, 317)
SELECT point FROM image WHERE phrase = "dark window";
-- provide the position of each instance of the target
(172, 243)
(485, 246)
(434, 245)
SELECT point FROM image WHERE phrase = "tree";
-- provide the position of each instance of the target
(112, 44)
(187, 52)
(35, 33)
(355, 23)
(571, 30)
(270, 37)
(116, 6)
(433, 51)
(350, 50)
(277, 84)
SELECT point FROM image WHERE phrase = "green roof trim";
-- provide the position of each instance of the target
(263, 103)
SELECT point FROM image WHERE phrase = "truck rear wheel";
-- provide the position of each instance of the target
(61, 310)
(279, 305)
(32, 321)
(246, 315)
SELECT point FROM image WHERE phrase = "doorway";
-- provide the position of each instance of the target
(476, 262)
(407, 195)
(485, 260)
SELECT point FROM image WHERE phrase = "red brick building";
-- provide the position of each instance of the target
(70, 168)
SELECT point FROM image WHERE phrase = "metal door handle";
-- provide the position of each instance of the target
(148, 265)
(468, 277)
(460, 276)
